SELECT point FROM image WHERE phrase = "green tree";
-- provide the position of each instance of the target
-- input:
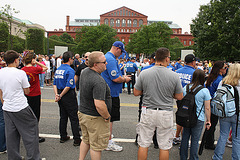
(96, 38)
(149, 38)
(4, 36)
(55, 37)
(35, 40)
(6, 13)
(216, 30)
(65, 37)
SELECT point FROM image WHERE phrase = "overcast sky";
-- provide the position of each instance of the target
(52, 13)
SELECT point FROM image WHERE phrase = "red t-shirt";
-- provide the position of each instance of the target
(33, 78)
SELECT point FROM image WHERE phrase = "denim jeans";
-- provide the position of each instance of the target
(225, 125)
(41, 79)
(2, 131)
(195, 134)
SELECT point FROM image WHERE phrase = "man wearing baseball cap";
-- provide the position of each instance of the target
(185, 74)
(114, 78)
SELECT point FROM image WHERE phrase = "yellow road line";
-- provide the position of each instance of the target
(121, 104)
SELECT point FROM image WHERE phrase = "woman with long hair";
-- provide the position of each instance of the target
(212, 83)
(34, 97)
(233, 79)
(202, 100)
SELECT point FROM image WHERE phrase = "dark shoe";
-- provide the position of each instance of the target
(77, 142)
(210, 147)
(62, 140)
(41, 139)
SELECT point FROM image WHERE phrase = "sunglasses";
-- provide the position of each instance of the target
(102, 62)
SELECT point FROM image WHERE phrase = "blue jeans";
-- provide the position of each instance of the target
(225, 125)
(2, 131)
(195, 134)
(41, 79)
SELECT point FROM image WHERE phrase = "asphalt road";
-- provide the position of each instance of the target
(124, 134)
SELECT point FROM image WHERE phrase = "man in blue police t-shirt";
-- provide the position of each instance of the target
(178, 64)
(131, 70)
(185, 74)
(65, 95)
(114, 79)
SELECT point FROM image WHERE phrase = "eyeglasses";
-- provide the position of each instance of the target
(102, 62)
(224, 68)
(86, 57)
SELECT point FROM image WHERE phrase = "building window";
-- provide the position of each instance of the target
(123, 12)
(132, 13)
(129, 40)
(106, 21)
(118, 30)
(114, 13)
(120, 12)
(133, 30)
(127, 30)
(112, 22)
(91, 20)
(129, 23)
(130, 30)
(126, 12)
(135, 14)
(190, 42)
(123, 23)
(136, 30)
(123, 40)
(134, 23)
(118, 23)
(184, 42)
(124, 30)
(129, 13)
(140, 22)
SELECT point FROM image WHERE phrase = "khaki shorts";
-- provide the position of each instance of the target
(160, 120)
(95, 131)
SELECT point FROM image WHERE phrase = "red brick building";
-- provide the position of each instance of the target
(126, 21)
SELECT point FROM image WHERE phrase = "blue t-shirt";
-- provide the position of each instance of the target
(214, 85)
(171, 67)
(112, 72)
(146, 67)
(200, 97)
(177, 66)
(64, 77)
(131, 67)
(185, 74)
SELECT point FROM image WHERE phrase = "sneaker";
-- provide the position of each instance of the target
(176, 140)
(41, 139)
(77, 142)
(3, 152)
(62, 140)
(114, 147)
(229, 144)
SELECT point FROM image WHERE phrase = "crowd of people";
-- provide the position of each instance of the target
(87, 92)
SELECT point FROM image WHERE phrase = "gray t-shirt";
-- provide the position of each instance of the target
(159, 84)
(93, 86)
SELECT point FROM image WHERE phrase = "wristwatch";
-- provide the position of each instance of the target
(108, 118)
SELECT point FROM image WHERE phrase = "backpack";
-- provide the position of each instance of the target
(186, 115)
(225, 102)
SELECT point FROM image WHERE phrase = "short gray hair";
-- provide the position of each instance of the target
(94, 57)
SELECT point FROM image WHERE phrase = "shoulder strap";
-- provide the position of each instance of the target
(187, 88)
(197, 90)
(236, 96)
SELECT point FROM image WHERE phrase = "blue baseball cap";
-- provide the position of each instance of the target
(120, 45)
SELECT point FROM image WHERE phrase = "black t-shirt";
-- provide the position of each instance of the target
(93, 86)
(78, 73)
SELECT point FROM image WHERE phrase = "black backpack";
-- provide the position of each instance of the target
(186, 113)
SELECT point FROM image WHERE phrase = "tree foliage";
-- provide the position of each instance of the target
(6, 13)
(216, 30)
(65, 37)
(4, 36)
(35, 40)
(149, 38)
(95, 38)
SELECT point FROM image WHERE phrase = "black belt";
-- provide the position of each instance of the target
(154, 108)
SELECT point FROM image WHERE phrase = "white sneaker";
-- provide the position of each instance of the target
(3, 152)
(114, 147)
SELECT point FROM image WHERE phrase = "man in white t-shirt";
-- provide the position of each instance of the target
(20, 120)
